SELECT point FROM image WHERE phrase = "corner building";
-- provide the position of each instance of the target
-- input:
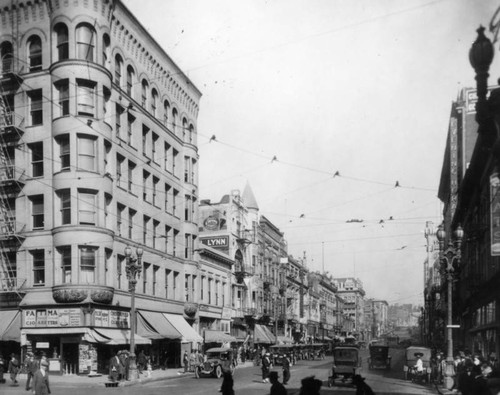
(98, 152)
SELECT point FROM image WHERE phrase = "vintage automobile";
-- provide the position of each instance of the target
(379, 357)
(346, 364)
(409, 368)
(278, 351)
(219, 359)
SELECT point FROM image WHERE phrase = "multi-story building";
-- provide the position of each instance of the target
(296, 291)
(351, 291)
(376, 317)
(98, 150)
(469, 191)
(329, 309)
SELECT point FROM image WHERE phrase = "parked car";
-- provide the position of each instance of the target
(379, 357)
(346, 364)
(410, 372)
(219, 359)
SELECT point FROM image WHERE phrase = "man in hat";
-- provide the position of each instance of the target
(13, 368)
(41, 380)
(419, 364)
(266, 367)
(31, 367)
(276, 387)
(286, 368)
(361, 387)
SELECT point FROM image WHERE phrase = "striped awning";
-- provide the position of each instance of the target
(212, 336)
(260, 335)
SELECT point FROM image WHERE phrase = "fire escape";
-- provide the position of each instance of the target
(12, 179)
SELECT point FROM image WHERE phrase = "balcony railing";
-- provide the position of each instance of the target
(13, 284)
(9, 173)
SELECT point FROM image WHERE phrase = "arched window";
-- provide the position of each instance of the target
(174, 121)
(154, 99)
(85, 42)
(166, 110)
(144, 93)
(62, 41)
(130, 80)
(6, 52)
(118, 69)
(35, 53)
(184, 128)
(105, 50)
(191, 132)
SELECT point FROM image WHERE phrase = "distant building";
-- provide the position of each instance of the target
(351, 291)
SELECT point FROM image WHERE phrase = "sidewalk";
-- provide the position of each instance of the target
(98, 381)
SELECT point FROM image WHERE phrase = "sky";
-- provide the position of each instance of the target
(332, 111)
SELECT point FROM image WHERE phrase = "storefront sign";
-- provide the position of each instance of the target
(113, 319)
(226, 313)
(42, 345)
(495, 214)
(216, 242)
(54, 318)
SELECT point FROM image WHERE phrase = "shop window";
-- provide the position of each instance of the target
(85, 42)
(87, 264)
(35, 53)
(38, 257)
(62, 41)
(36, 150)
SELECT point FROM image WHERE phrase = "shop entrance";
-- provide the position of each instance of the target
(69, 356)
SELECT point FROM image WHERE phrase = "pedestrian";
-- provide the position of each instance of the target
(31, 366)
(115, 368)
(201, 359)
(141, 361)
(227, 383)
(310, 386)
(276, 388)
(123, 355)
(466, 379)
(149, 367)
(266, 367)
(13, 369)
(361, 387)
(165, 360)
(192, 361)
(41, 380)
(185, 361)
(286, 361)
(480, 386)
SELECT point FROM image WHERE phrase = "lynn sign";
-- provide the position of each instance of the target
(495, 214)
(216, 241)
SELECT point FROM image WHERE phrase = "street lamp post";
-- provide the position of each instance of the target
(133, 269)
(450, 259)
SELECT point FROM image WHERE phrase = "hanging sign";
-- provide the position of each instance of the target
(495, 214)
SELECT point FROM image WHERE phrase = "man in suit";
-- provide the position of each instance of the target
(115, 368)
(41, 380)
(31, 367)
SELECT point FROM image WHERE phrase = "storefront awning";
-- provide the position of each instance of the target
(284, 340)
(93, 336)
(269, 334)
(189, 335)
(218, 337)
(154, 325)
(10, 326)
(120, 336)
(260, 335)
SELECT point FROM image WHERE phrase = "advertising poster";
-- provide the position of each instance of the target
(52, 318)
(41, 318)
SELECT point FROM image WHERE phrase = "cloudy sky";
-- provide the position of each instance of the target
(298, 90)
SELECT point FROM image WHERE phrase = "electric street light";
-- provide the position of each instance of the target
(133, 270)
(450, 260)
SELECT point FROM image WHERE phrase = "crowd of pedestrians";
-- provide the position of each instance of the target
(36, 369)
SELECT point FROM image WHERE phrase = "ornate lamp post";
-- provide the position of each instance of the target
(448, 258)
(133, 270)
(480, 57)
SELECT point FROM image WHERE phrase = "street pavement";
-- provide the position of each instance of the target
(160, 380)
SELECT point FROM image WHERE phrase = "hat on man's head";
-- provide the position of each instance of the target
(44, 363)
(273, 375)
